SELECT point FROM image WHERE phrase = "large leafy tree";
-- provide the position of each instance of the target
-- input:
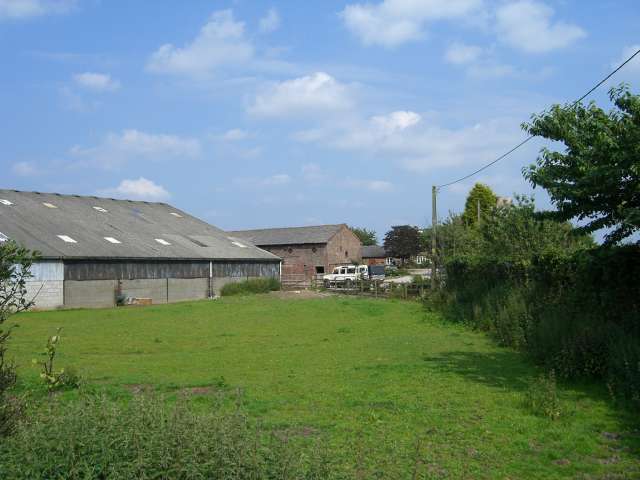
(596, 178)
(367, 237)
(402, 241)
(479, 194)
(454, 238)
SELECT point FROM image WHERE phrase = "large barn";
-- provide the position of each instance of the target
(307, 251)
(94, 251)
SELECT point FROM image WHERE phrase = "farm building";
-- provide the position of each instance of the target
(375, 255)
(94, 251)
(306, 251)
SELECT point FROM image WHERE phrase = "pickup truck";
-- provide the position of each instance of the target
(347, 275)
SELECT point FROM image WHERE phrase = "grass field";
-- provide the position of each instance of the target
(379, 380)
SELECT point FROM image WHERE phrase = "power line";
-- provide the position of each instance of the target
(532, 136)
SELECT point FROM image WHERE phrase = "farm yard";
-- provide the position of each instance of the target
(386, 386)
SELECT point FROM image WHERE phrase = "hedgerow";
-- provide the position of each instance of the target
(248, 287)
(577, 314)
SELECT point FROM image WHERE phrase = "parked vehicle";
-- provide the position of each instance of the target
(347, 275)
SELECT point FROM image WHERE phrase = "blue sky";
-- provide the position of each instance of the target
(280, 113)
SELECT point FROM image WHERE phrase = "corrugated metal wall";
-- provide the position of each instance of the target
(124, 270)
(45, 270)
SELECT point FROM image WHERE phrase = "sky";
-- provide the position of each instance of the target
(253, 114)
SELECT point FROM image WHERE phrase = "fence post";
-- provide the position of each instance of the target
(405, 291)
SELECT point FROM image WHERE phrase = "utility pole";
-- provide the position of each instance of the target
(434, 227)
(478, 206)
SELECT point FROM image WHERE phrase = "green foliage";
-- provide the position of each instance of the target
(402, 241)
(577, 314)
(96, 438)
(542, 396)
(454, 238)
(367, 237)
(597, 177)
(516, 233)
(252, 286)
(480, 193)
(55, 380)
(15, 266)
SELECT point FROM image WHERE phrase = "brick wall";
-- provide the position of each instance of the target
(343, 248)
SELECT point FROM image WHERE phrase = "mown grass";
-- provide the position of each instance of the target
(381, 381)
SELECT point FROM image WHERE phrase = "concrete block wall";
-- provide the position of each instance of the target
(155, 289)
(89, 293)
(181, 289)
(47, 294)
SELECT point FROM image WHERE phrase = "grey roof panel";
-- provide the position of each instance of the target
(288, 236)
(373, 251)
(135, 224)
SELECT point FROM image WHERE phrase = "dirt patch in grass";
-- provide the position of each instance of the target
(140, 388)
(191, 391)
(299, 294)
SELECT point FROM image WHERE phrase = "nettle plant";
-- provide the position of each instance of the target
(55, 379)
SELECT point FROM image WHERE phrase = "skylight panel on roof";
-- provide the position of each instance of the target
(5, 202)
(49, 205)
(66, 238)
(3, 237)
(238, 244)
(176, 214)
(100, 209)
(112, 240)
(162, 241)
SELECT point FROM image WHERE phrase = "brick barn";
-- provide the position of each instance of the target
(306, 251)
(94, 251)
(374, 255)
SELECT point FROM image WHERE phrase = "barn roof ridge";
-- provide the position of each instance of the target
(312, 234)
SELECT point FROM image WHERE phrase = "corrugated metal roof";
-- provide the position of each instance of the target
(289, 236)
(373, 251)
(136, 225)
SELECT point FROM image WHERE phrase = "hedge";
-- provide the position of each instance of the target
(578, 315)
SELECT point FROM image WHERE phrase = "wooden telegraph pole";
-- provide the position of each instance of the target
(434, 223)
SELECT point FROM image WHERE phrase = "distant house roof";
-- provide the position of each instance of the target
(73, 226)
(373, 251)
(289, 236)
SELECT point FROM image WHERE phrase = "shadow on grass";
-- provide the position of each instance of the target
(504, 369)
(512, 371)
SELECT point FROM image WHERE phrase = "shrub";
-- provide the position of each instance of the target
(576, 314)
(248, 287)
(68, 378)
(542, 397)
(96, 438)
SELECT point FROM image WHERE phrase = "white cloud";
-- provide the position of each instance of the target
(379, 186)
(393, 22)
(234, 135)
(221, 41)
(22, 9)
(319, 92)
(633, 67)
(527, 25)
(129, 145)
(396, 121)
(462, 54)
(25, 169)
(270, 22)
(420, 147)
(140, 189)
(98, 82)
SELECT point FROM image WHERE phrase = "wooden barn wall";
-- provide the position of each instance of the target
(246, 269)
(130, 270)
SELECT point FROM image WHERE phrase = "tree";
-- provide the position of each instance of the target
(517, 233)
(15, 265)
(484, 195)
(402, 242)
(596, 178)
(367, 237)
(454, 238)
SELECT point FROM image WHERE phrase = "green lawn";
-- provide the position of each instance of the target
(377, 379)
